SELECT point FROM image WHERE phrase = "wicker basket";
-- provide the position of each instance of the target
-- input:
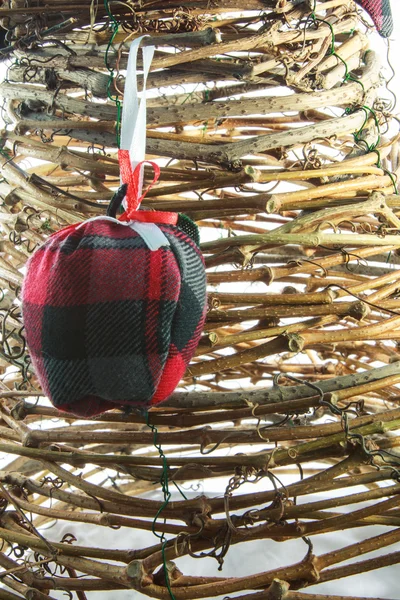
(273, 132)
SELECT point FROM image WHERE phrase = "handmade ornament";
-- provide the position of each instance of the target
(381, 14)
(114, 308)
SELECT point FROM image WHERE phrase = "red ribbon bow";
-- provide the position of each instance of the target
(132, 178)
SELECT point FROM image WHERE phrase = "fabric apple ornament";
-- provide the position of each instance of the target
(381, 14)
(114, 308)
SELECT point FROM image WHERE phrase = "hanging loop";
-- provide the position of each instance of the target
(132, 150)
(134, 179)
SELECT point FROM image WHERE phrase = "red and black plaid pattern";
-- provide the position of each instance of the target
(381, 14)
(110, 322)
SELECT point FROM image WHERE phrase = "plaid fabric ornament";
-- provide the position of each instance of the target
(114, 308)
(110, 322)
(381, 14)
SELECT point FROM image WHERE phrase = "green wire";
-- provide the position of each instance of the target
(110, 69)
(367, 110)
(190, 94)
(167, 497)
(394, 182)
(179, 490)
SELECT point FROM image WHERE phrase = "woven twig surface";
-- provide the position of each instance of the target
(273, 134)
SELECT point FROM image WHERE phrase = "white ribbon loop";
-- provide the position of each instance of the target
(133, 133)
(133, 139)
(134, 114)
